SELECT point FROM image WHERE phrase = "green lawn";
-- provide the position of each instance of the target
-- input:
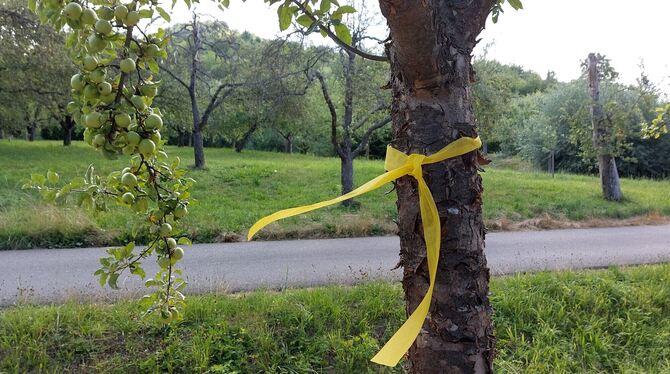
(238, 189)
(606, 321)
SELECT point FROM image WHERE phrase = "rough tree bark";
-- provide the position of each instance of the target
(67, 125)
(430, 55)
(609, 176)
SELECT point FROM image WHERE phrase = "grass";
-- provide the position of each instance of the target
(605, 321)
(238, 189)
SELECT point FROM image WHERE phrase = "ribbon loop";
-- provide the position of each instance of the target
(398, 165)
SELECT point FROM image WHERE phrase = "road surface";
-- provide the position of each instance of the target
(54, 275)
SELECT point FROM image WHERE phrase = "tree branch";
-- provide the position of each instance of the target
(333, 114)
(334, 37)
(365, 119)
(366, 137)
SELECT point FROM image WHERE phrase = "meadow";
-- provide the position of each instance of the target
(596, 321)
(239, 188)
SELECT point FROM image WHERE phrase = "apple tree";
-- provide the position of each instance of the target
(429, 51)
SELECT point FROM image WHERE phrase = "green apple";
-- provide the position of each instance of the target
(103, 26)
(177, 254)
(91, 92)
(77, 82)
(149, 90)
(104, 88)
(180, 212)
(153, 121)
(120, 12)
(127, 65)
(165, 229)
(155, 137)
(72, 11)
(97, 76)
(72, 107)
(132, 19)
(93, 120)
(99, 140)
(88, 17)
(106, 13)
(90, 63)
(108, 99)
(129, 180)
(147, 147)
(152, 50)
(122, 120)
(138, 102)
(96, 43)
(133, 138)
(171, 243)
(128, 198)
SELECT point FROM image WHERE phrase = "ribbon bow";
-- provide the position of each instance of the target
(398, 165)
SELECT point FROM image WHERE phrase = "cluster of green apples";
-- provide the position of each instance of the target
(116, 122)
(112, 97)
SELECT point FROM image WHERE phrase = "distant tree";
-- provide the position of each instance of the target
(34, 71)
(602, 132)
(353, 125)
(207, 85)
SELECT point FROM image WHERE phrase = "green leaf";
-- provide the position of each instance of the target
(304, 21)
(112, 281)
(285, 14)
(342, 32)
(516, 4)
(184, 241)
(32, 5)
(324, 6)
(38, 179)
(344, 9)
(163, 13)
(52, 177)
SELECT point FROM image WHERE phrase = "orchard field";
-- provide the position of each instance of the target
(239, 188)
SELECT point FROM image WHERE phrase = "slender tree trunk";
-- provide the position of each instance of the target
(430, 54)
(609, 176)
(288, 146)
(239, 145)
(198, 149)
(31, 132)
(68, 125)
(347, 176)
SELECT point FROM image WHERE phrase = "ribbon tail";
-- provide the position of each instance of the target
(367, 187)
(402, 340)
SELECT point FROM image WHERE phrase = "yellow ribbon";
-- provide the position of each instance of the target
(398, 165)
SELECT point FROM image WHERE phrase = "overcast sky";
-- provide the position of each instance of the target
(546, 35)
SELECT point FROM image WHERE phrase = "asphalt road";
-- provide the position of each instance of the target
(54, 275)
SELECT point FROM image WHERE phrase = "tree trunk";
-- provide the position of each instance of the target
(430, 54)
(288, 146)
(67, 125)
(347, 176)
(609, 176)
(31, 132)
(239, 145)
(198, 149)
